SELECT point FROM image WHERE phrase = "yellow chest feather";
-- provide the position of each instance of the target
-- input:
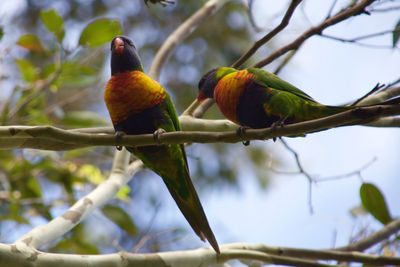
(228, 92)
(130, 93)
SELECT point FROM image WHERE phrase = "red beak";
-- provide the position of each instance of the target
(201, 97)
(119, 46)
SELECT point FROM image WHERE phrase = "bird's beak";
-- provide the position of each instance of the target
(119, 46)
(201, 97)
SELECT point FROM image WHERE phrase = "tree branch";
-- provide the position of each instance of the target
(49, 232)
(23, 256)
(9, 135)
(357, 9)
(367, 242)
(270, 35)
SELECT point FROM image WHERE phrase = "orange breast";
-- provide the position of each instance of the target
(130, 93)
(228, 92)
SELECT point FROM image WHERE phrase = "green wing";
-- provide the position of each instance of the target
(268, 79)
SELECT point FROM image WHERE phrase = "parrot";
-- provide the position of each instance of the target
(139, 105)
(255, 98)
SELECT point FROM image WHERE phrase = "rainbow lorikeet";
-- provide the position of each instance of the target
(258, 99)
(139, 105)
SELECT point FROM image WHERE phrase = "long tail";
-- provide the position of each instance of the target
(192, 209)
(170, 163)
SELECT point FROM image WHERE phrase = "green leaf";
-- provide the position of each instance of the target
(48, 70)
(83, 119)
(74, 73)
(123, 194)
(77, 243)
(31, 42)
(396, 34)
(99, 32)
(53, 22)
(374, 202)
(28, 71)
(120, 218)
(34, 187)
(77, 152)
(1, 33)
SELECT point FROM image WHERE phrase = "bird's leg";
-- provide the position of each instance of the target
(276, 124)
(242, 130)
(157, 135)
(118, 137)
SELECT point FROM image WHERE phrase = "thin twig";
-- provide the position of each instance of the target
(367, 242)
(357, 9)
(346, 175)
(331, 9)
(271, 34)
(253, 23)
(285, 61)
(302, 171)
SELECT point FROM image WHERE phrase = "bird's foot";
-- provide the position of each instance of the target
(276, 124)
(241, 131)
(157, 135)
(118, 137)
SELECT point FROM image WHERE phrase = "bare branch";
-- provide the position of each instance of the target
(302, 171)
(316, 254)
(10, 135)
(271, 34)
(367, 242)
(25, 256)
(357, 9)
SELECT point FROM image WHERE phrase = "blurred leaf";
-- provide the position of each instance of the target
(14, 214)
(374, 202)
(99, 32)
(74, 73)
(53, 22)
(76, 243)
(48, 70)
(123, 194)
(120, 218)
(77, 152)
(396, 34)
(83, 119)
(358, 211)
(28, 71)
(91, 173)
(34, 187)
(31, 42)
(1, 33)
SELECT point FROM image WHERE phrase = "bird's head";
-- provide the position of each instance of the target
(207, 84)
(209, 80)
(124, 56)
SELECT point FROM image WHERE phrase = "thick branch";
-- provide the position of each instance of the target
(357, 9)
(360, 115)
(21, 256)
